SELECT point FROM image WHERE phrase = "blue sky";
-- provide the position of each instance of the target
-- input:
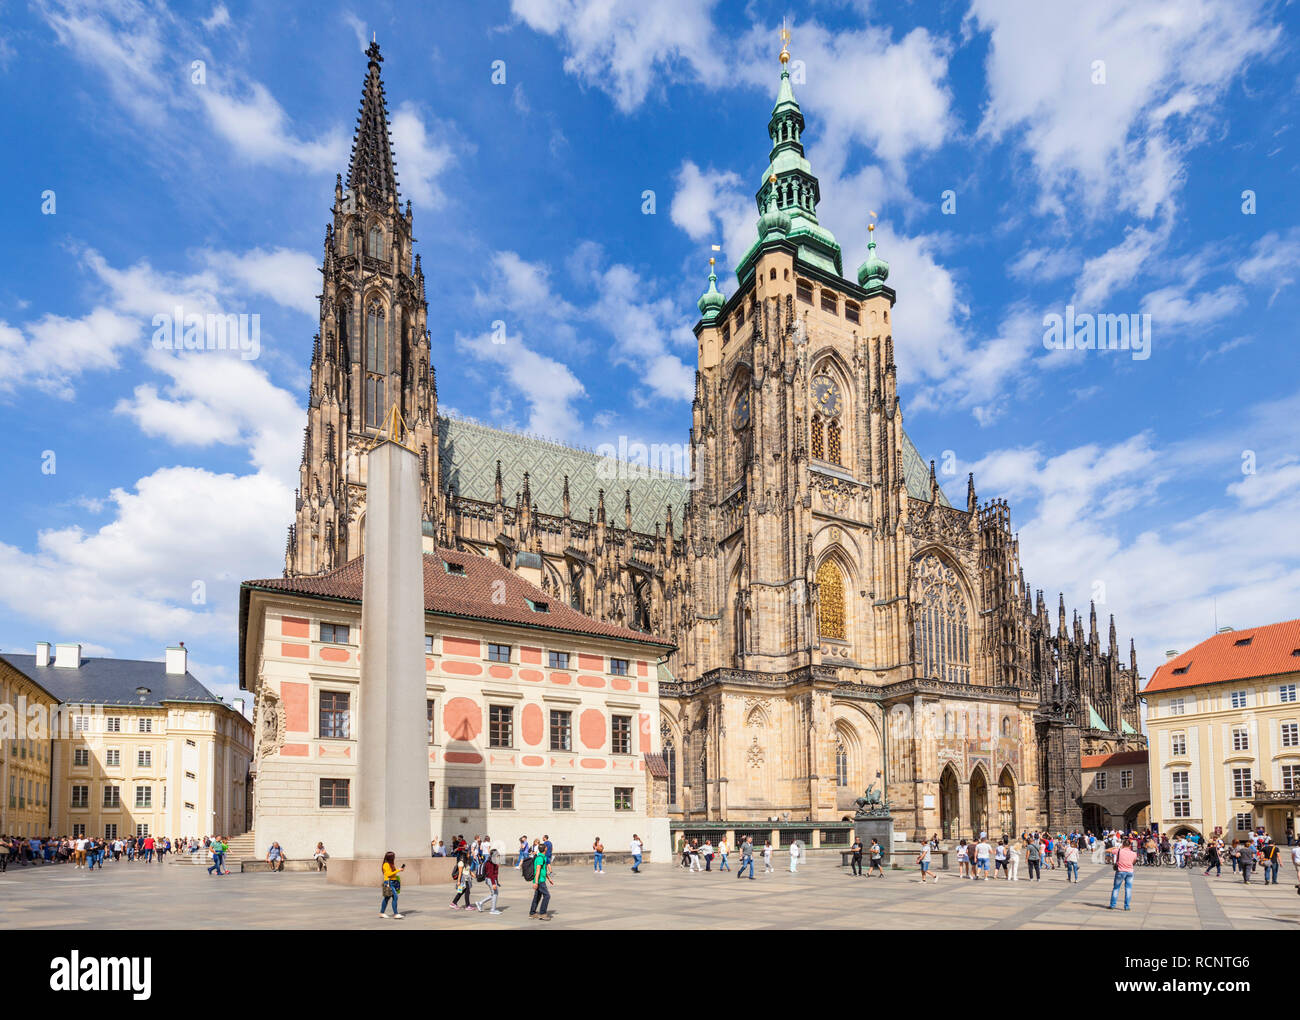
(1096, 157)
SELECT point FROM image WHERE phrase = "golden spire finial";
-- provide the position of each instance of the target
(394, 430)
(785, 42)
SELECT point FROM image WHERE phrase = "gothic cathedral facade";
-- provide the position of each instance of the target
(838, 622)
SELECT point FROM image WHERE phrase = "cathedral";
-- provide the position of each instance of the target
(838, 622)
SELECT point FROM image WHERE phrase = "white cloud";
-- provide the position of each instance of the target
(422, 158)
(219, 18)
(257, 126)
(358, 29)
(1119, 144)
(624, 46)
(1100, 517)
(50, 352)
(548, 385)
(712, 208)
(289, 278)
(1274, 259)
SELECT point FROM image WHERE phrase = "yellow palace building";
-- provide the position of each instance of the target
(134, 748)
(1224, 723)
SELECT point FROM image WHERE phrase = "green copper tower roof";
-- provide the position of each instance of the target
(711, 301)
(873, 273)
(791, 184)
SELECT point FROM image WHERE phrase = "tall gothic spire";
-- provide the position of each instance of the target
(790, 178)
(370, 171)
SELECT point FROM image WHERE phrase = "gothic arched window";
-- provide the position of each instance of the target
(833, 454)
(670, 759)
(941, 620)
(841, 764)
(830, 605)
(376, 364)
(375, 248)
(818, 440)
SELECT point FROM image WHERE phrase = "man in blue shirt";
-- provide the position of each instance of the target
(548, 848)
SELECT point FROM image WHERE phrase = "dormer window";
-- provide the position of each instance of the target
(455, 569)
(538, 607)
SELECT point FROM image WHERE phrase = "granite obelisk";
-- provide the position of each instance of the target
(391, 795)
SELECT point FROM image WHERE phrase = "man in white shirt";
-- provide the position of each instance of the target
(1295, 859)
(795, 848)
(983, 853)
(635, 847)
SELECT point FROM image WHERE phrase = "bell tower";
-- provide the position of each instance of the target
(372, 351)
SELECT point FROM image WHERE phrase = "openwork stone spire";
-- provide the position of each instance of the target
(371, 171)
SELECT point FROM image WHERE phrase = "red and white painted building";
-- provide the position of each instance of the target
(541, 719)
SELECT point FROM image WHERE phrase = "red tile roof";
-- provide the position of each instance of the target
(1234, 655)
(1097, 761)
(486, 591)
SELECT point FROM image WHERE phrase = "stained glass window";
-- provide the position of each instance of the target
(833, 443)
(830, 612)
(818, 440)
(941, 620)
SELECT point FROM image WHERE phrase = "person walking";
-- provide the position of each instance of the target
(391, 884)
(463, 876)
(542, 882)
(722, 854)
(855, 862)
(598, 856)
(708, 855)
(1071, 863)
(1295, 861)
(1000, 858)
(636, 849)
(795, 850)
(1125, 856)
(1245, 860)
(1013, 862)
(1212, 858)
(767, 856)
(923, 859)
(695, 856)
(963, 859)
(1034, 858)
(523, 852)
(1270, 859)
(492, 876)
(876, 853)
(218, 858)
(747, 859)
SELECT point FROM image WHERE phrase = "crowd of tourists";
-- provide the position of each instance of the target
(89, 852)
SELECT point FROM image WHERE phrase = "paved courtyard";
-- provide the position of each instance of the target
(821, 895)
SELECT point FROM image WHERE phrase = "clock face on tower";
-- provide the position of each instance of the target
(826, 396)
(740, 417)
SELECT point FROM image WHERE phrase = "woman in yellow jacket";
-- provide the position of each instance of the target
(392, 883)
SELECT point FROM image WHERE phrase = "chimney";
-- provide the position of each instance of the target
(238, 705)
(42, 653)
(176, 659)
(1172, 653)
(67, 656)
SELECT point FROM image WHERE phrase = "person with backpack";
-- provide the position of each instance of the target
(542, 882)
(490, 874)
(391, 884)
(598, 858)
(464, 878)
(636, 849)
(746, 858)
(218, 858)
(1271, 860)
(876, 853)
(1034, 858)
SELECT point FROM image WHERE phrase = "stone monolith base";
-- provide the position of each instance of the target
(369, 871)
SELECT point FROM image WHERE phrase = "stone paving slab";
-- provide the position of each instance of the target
(821, 895)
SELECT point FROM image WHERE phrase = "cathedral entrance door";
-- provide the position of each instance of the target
(948, 813)
(979, 802)
(1007, 803)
